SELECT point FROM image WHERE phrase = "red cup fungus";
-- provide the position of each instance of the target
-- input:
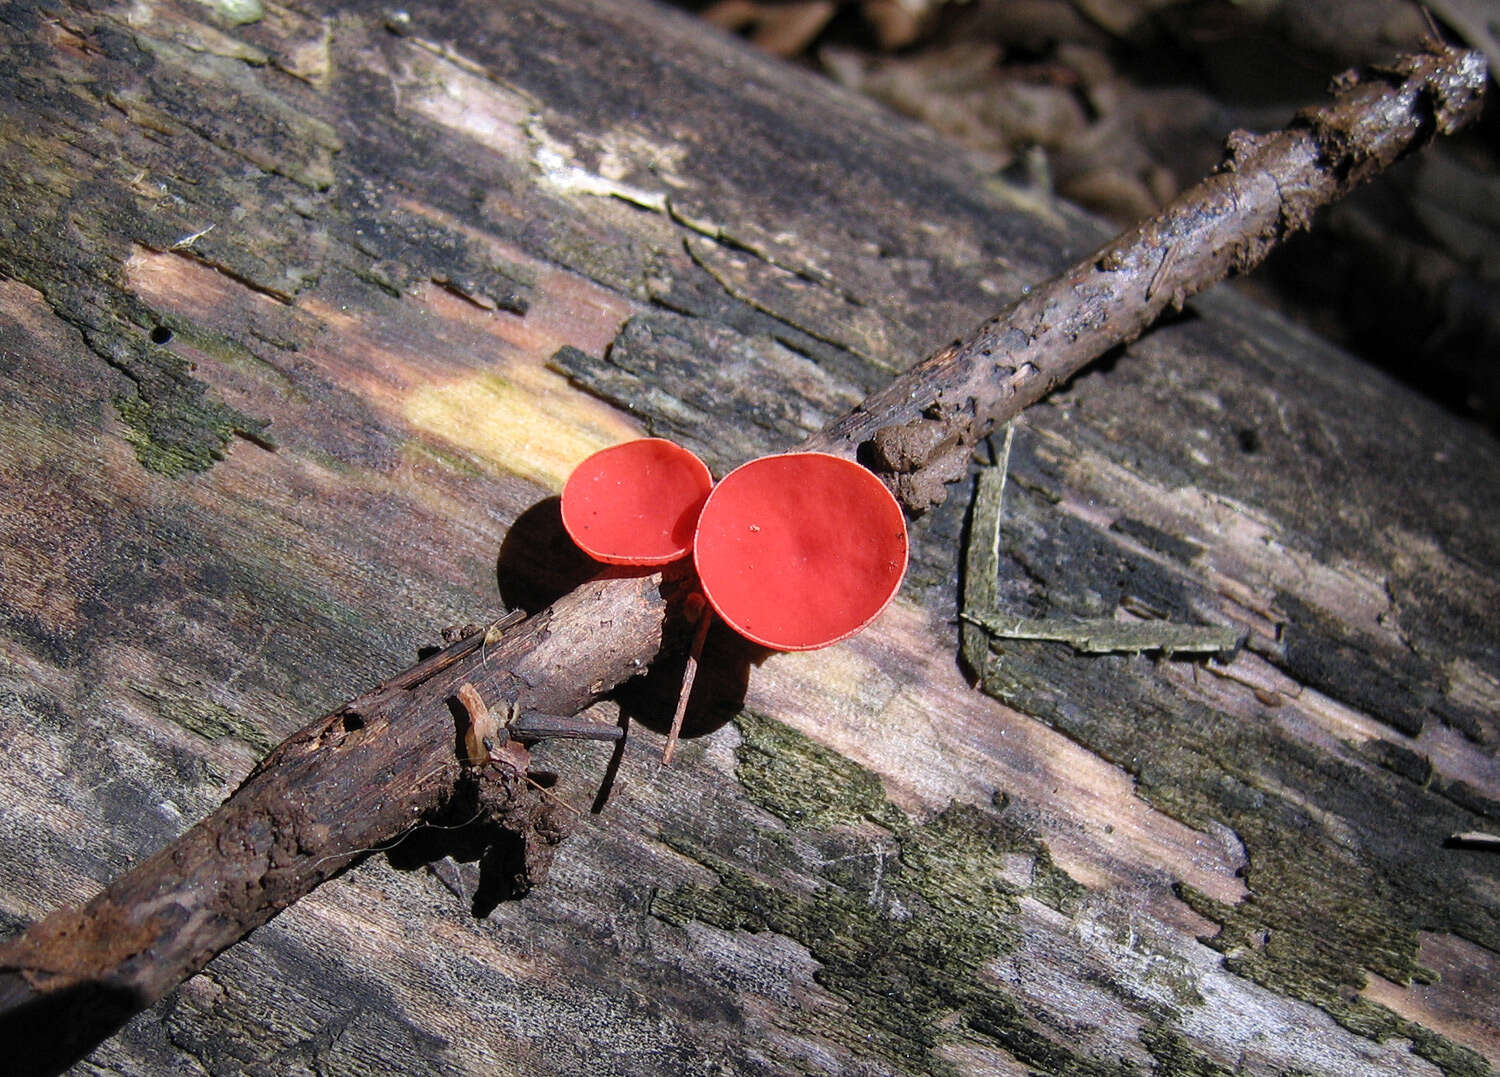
(636, 503)
(801, 550)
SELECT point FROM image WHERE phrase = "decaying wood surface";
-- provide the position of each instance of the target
(360, 778)
(929, 878)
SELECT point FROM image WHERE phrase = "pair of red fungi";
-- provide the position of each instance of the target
(793, 552)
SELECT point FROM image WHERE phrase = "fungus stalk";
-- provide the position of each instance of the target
(689, 675)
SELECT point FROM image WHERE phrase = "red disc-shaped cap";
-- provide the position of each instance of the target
(636, 503)
(801, 550)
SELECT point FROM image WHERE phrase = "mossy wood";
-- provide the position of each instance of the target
(306, 313)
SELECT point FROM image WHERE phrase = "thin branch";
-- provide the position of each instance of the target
(359, 778)
(920, 428)
(354, 781)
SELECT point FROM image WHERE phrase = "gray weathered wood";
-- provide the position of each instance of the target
(875, 867)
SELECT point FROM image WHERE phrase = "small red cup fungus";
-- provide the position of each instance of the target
(636, 503)
(801, 550)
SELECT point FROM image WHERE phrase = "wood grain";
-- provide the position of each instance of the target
(874, 868)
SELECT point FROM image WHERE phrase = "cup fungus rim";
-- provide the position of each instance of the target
(575, 531)
(872, 483)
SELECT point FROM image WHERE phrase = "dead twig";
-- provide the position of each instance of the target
(919, 428)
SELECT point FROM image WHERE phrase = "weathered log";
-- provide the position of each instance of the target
(363, 776)
(369, 380)
(347, 784)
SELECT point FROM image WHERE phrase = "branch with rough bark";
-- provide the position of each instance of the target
(919, 429)
(361, 777)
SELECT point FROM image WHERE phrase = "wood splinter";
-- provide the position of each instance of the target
(489, 740)
(1476, 839)
(483, 730)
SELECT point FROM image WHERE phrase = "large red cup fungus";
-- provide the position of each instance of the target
(801, 550)
(636, 503)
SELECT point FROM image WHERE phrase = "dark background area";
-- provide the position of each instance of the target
(1117, 105)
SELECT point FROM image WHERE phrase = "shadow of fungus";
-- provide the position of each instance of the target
(501, 814)
(506, 822)
(718, 691)
(538, 562)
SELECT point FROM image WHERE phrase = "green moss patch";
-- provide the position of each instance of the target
(904, 939)
(1345, 844)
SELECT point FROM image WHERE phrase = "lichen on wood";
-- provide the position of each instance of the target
(192, 141)
(904, 915)
(1275, 936)
(917, 927)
